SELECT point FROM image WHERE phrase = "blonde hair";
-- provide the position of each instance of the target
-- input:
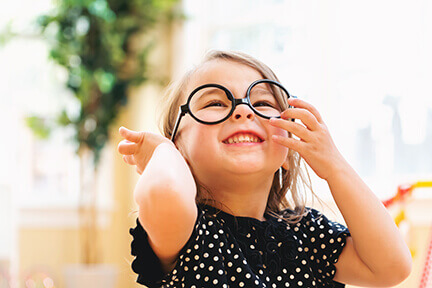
(291, 178)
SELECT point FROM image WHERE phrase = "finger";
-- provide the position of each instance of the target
(291, 143)
(304, 115)
(139, 171)
(299, 103)
(293, 127)
(130, 134)
(129, 159)
(127, 148)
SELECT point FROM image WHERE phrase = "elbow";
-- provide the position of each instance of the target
(396, 273)
(405, 266)
(404, 270)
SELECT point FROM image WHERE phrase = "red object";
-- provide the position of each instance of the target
(427, 268)
(403, 191)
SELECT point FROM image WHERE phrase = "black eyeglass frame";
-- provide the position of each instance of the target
(183, 109)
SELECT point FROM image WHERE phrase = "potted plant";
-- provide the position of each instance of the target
(99, 43)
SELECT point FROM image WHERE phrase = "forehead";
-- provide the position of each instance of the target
(232, 75)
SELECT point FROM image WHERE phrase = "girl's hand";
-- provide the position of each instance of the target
(315, 145)
(138, 147)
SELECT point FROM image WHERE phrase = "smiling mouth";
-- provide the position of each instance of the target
(243, 140)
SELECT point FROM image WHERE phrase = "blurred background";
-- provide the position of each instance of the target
(73, 71)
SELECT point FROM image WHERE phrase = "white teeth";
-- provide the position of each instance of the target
(242, 138)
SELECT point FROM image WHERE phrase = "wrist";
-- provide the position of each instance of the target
(338, 168)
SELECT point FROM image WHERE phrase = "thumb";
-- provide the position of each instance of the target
(130, 134)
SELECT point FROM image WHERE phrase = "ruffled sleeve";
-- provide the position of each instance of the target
(146, 264)
(326, 239)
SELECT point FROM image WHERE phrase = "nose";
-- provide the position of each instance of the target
(243, 111)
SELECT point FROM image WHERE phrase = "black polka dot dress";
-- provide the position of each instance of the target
(229, 251)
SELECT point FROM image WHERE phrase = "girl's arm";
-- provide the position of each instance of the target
(165, 194)
(375, 253)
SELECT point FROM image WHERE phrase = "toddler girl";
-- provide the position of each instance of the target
(212, 195)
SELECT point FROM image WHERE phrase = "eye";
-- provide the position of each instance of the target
(215, 104)
(264, 103)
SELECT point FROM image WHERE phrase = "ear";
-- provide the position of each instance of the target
(285, 165)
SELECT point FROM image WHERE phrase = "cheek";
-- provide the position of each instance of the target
(199, 139)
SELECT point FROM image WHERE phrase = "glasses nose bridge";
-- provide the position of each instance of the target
(239, 101)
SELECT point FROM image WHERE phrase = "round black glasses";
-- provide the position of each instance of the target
(213, 103)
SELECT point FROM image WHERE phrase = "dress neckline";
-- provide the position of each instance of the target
(224, 214)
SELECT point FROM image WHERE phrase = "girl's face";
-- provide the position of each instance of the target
(203, 145)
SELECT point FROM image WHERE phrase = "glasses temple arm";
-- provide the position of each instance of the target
(179, 115)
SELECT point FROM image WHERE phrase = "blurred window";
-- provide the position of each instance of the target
(366, 66)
